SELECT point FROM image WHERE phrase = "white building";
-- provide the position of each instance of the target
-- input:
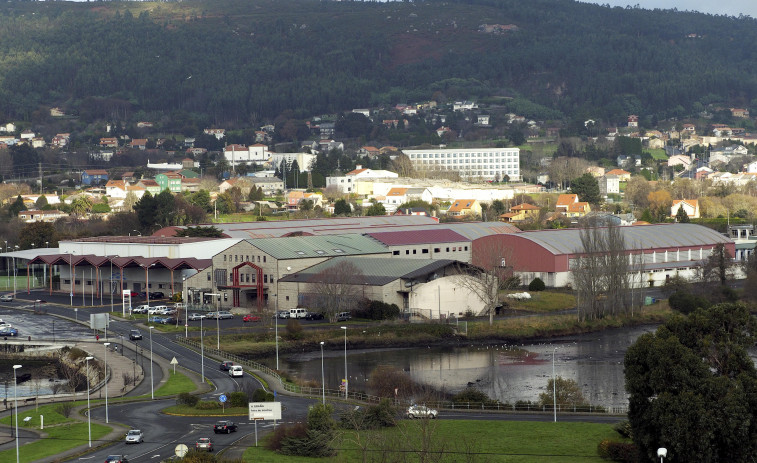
(346, 183)
(304, 160)
(484, 163)
(609, 184)
(240, 154)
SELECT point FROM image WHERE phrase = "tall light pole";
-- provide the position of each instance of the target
(202, 351)
(14, 273)
(346, 379)
(89, 412)
(554, 385)
(105, 378)
(152, 383)
(15, 400)
(662, 452)
(323, 377)
(276, 323)
(147, 282)
(73, 279)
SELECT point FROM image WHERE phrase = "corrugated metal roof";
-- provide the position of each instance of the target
(330, 226)
(374, 271)
(568, 241)
(301, 247)
(434, 235)
(473, 230)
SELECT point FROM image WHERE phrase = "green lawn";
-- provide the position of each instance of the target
(50, 412)
(60, 438)
(192, 411)
(176, 384)
(490, 441)
(658, 154)
(543, 301)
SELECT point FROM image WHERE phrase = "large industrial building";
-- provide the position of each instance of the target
(484, 163)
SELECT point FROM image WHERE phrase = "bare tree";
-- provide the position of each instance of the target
(336, 289)
(73, 377)
(484, 285)
(495, 263)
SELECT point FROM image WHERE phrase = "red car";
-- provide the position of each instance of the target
(250, 318)
(134, 294)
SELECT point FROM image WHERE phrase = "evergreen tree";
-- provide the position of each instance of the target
(16, 207)
(682, 216)
(341, 207)
(587, 189)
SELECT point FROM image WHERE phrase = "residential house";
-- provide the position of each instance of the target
(633, 120)
(393, 198)
(609, 184)
(129, 177)
(521, 213)
(196, 151)
(596, 171)
(28, 135)
(38, 142)
(170, 181)
(304, 160)
(269, 185)
(569, 205)
(110, 142)
(464, 106)
(187, 173)
(465, 207)
(243, 183)
(10, 127)
(56, 112)
(144, 125)
(441, 131)
(690, 129)
(623, 160)
(138, 143)
(740, 113)
(189, 142)
(420, 194)
(370, 151)
(483, 119)
(41, 216)
(411, 211)
(346, 183)
(679, 160)
(94, 177)
(364, 112)
(218, 133)
(116, 189)
(690, 206)
(60, 140)
(295, 197)
(190, 184)
(623, 175)
(326, 145)
(150, 186)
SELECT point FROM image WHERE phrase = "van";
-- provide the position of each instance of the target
(236, 371)
(343, 316)
(299, 312)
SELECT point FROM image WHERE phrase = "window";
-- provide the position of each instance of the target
(224, 257)
(318, 251)
(339, 251)
(437, 250)
(263, 258)
(415, 251)
(258, 259)
(424, 251)
(447, 249)
(466, 248)
(287, 298)
(265, 278)
(300, 253)
(208, 276)
(236, 258)
(407, 251)
(395, 253)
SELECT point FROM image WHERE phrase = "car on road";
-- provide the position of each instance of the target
(135, 335)
(314, 316)
(282, 314)
(224, 426)
(225, 366)
(224, 315)
(116, 459)
(154, 310)
(6, 298)
(195, 316)
(204, 443)
(236, 371)
(168, 311)
(250, 318)
(134, 436)
(212, 315)
(133, 294)
(421, 411)
(8, 331)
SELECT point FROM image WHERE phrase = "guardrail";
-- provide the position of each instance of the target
(362, 397)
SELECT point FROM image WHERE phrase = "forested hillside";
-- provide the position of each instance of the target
(245, 61)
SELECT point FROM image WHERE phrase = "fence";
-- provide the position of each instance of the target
(362, 397)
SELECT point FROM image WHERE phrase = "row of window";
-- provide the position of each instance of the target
(426, 251)
(499, 154)
(468, 161)
(241, 258)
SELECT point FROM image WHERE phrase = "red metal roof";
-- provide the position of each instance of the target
(399, 238)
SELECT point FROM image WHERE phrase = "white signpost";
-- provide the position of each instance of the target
(181, 450)
(125, 295)
(264, 411)
(174, 362)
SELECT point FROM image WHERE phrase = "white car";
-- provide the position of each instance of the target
(6, 298)
(224, 314)
(134, 436)
(154, 310)
(236, 371)
(421, 411)
(195, 316)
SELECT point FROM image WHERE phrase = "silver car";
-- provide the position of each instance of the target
(195, 317)
(6, 298)
(421, 411)
(134, 436)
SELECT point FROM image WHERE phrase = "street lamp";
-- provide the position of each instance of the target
(276, 323)
(152, 387)
(106, 344)
(554, 385)
(89, 412)
(323, 377)
(14, 273)
(662, 452)
(147, 282)
(15, 400)
(346, 379)
(73, 279)
(202, 351)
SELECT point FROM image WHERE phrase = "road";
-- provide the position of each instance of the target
(163, 434)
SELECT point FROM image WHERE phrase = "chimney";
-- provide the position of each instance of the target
(358, 167)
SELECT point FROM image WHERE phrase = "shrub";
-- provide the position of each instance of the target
(65, 409)
(294, 329)
(319, 434)
(470, 394)
(207, 405)
(377, 310)
(261, 395)
(378, 416)
(185, 398)
(537, 284)
(281, 433)
(618, 451)
(686, 302)
(238, 399)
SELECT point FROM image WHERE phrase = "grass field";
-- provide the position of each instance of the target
(454, 441)
(543, 302)
(658, 154)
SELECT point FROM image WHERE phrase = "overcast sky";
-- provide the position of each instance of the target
(729, 7)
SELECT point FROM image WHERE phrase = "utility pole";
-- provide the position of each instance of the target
(39, 164)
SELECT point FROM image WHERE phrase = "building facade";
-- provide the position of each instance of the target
(484, 163)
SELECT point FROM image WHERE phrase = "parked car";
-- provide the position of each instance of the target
(224, 315)
(155, 319)
(314, 316)
(6, 298)
(168, 311)
(204, 443)
(236, 371)
(140, 309)
(168, 321)
(226, 365)
(195, 316)
(154, 310)
(212, 315)
(8, 331)
(282, 314)
(224, 426)
(298, 312)
(421, 411)
(135, 335)
(250, 318)
(134, 436)
(343, 316)
(133, 294)
(116, 459)
(157, 295)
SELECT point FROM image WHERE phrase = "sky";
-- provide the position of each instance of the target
(728, 7)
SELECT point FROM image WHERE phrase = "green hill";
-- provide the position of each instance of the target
(237, 61)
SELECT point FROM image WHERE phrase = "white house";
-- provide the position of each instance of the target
(240, 154)
(346, 183)
(690, 206)
(609, 184)
(304, 160)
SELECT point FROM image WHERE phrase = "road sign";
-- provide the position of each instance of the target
(181, 450)
(174, 362)
(222, 398)
(265, 410)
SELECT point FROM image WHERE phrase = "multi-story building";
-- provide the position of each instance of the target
(484, 163)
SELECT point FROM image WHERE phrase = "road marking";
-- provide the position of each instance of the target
(155, 456)
(86, 458)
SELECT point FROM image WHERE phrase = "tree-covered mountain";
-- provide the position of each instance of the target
(245, 61)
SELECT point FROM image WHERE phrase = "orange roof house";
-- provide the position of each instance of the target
(463, 207)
